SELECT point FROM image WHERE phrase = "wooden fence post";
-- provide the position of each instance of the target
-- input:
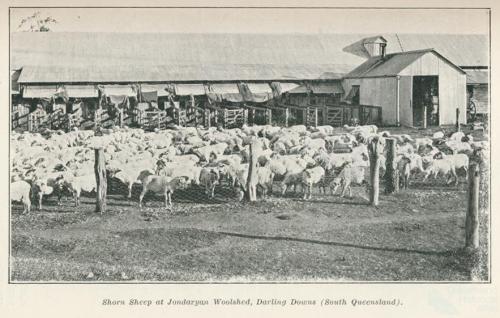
(216, 114)
(101, 181)
(178, 112)
(458, 119)
(269, 115)
(224, 124)
(30, 122)
(120, 117)
(391, 170)
(373, 152)
(325, 115)
(206, 118)
(425, 117)
(305, 117)
(252, 173)
(245, 116)
(287, 114)
(471, 220)
(315, 116)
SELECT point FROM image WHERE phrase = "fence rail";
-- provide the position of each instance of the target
(208, 116)
(150, 120)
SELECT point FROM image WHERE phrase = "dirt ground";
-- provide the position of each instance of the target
(414, 235)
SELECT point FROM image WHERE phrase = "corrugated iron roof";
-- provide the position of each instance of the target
(102, 49)
(477, 76)
(14, 85)
(81, 91)
(327, 88)
(119, 90)
(286, 87)
(178, 73)
(109, 56)
(319, 88)
(461, 49)
(39, 91)
(259, 88)
(189, 89)
(160, 89)
(225, 88)
(391, 64)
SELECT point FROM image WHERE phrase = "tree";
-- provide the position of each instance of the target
(36, 23)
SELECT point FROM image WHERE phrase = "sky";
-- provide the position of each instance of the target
(197, 20)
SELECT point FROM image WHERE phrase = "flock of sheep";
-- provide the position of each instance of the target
(54, 163)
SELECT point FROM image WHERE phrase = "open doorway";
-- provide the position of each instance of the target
(425, 101)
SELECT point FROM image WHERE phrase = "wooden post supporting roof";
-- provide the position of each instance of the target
(207, 118)
(224, 124)
(245, 116)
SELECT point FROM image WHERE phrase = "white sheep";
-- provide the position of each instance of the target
(20, 192)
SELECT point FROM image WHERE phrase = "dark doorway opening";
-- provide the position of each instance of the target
(425, 101)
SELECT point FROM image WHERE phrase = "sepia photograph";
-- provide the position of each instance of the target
(249, 145)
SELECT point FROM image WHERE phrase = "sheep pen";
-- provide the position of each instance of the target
(414, 234)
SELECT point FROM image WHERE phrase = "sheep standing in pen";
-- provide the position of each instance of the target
(162, 185)
(404, 172)
(310, 177)
(349, 175)
(20, 192)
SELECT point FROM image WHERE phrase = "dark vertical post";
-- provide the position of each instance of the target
(224, 124)
(287, 114)
(120, 117)
(471, 220)
(373, 152)
(458, 119)
(101, 181)
(391, 171)
(252, 173)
